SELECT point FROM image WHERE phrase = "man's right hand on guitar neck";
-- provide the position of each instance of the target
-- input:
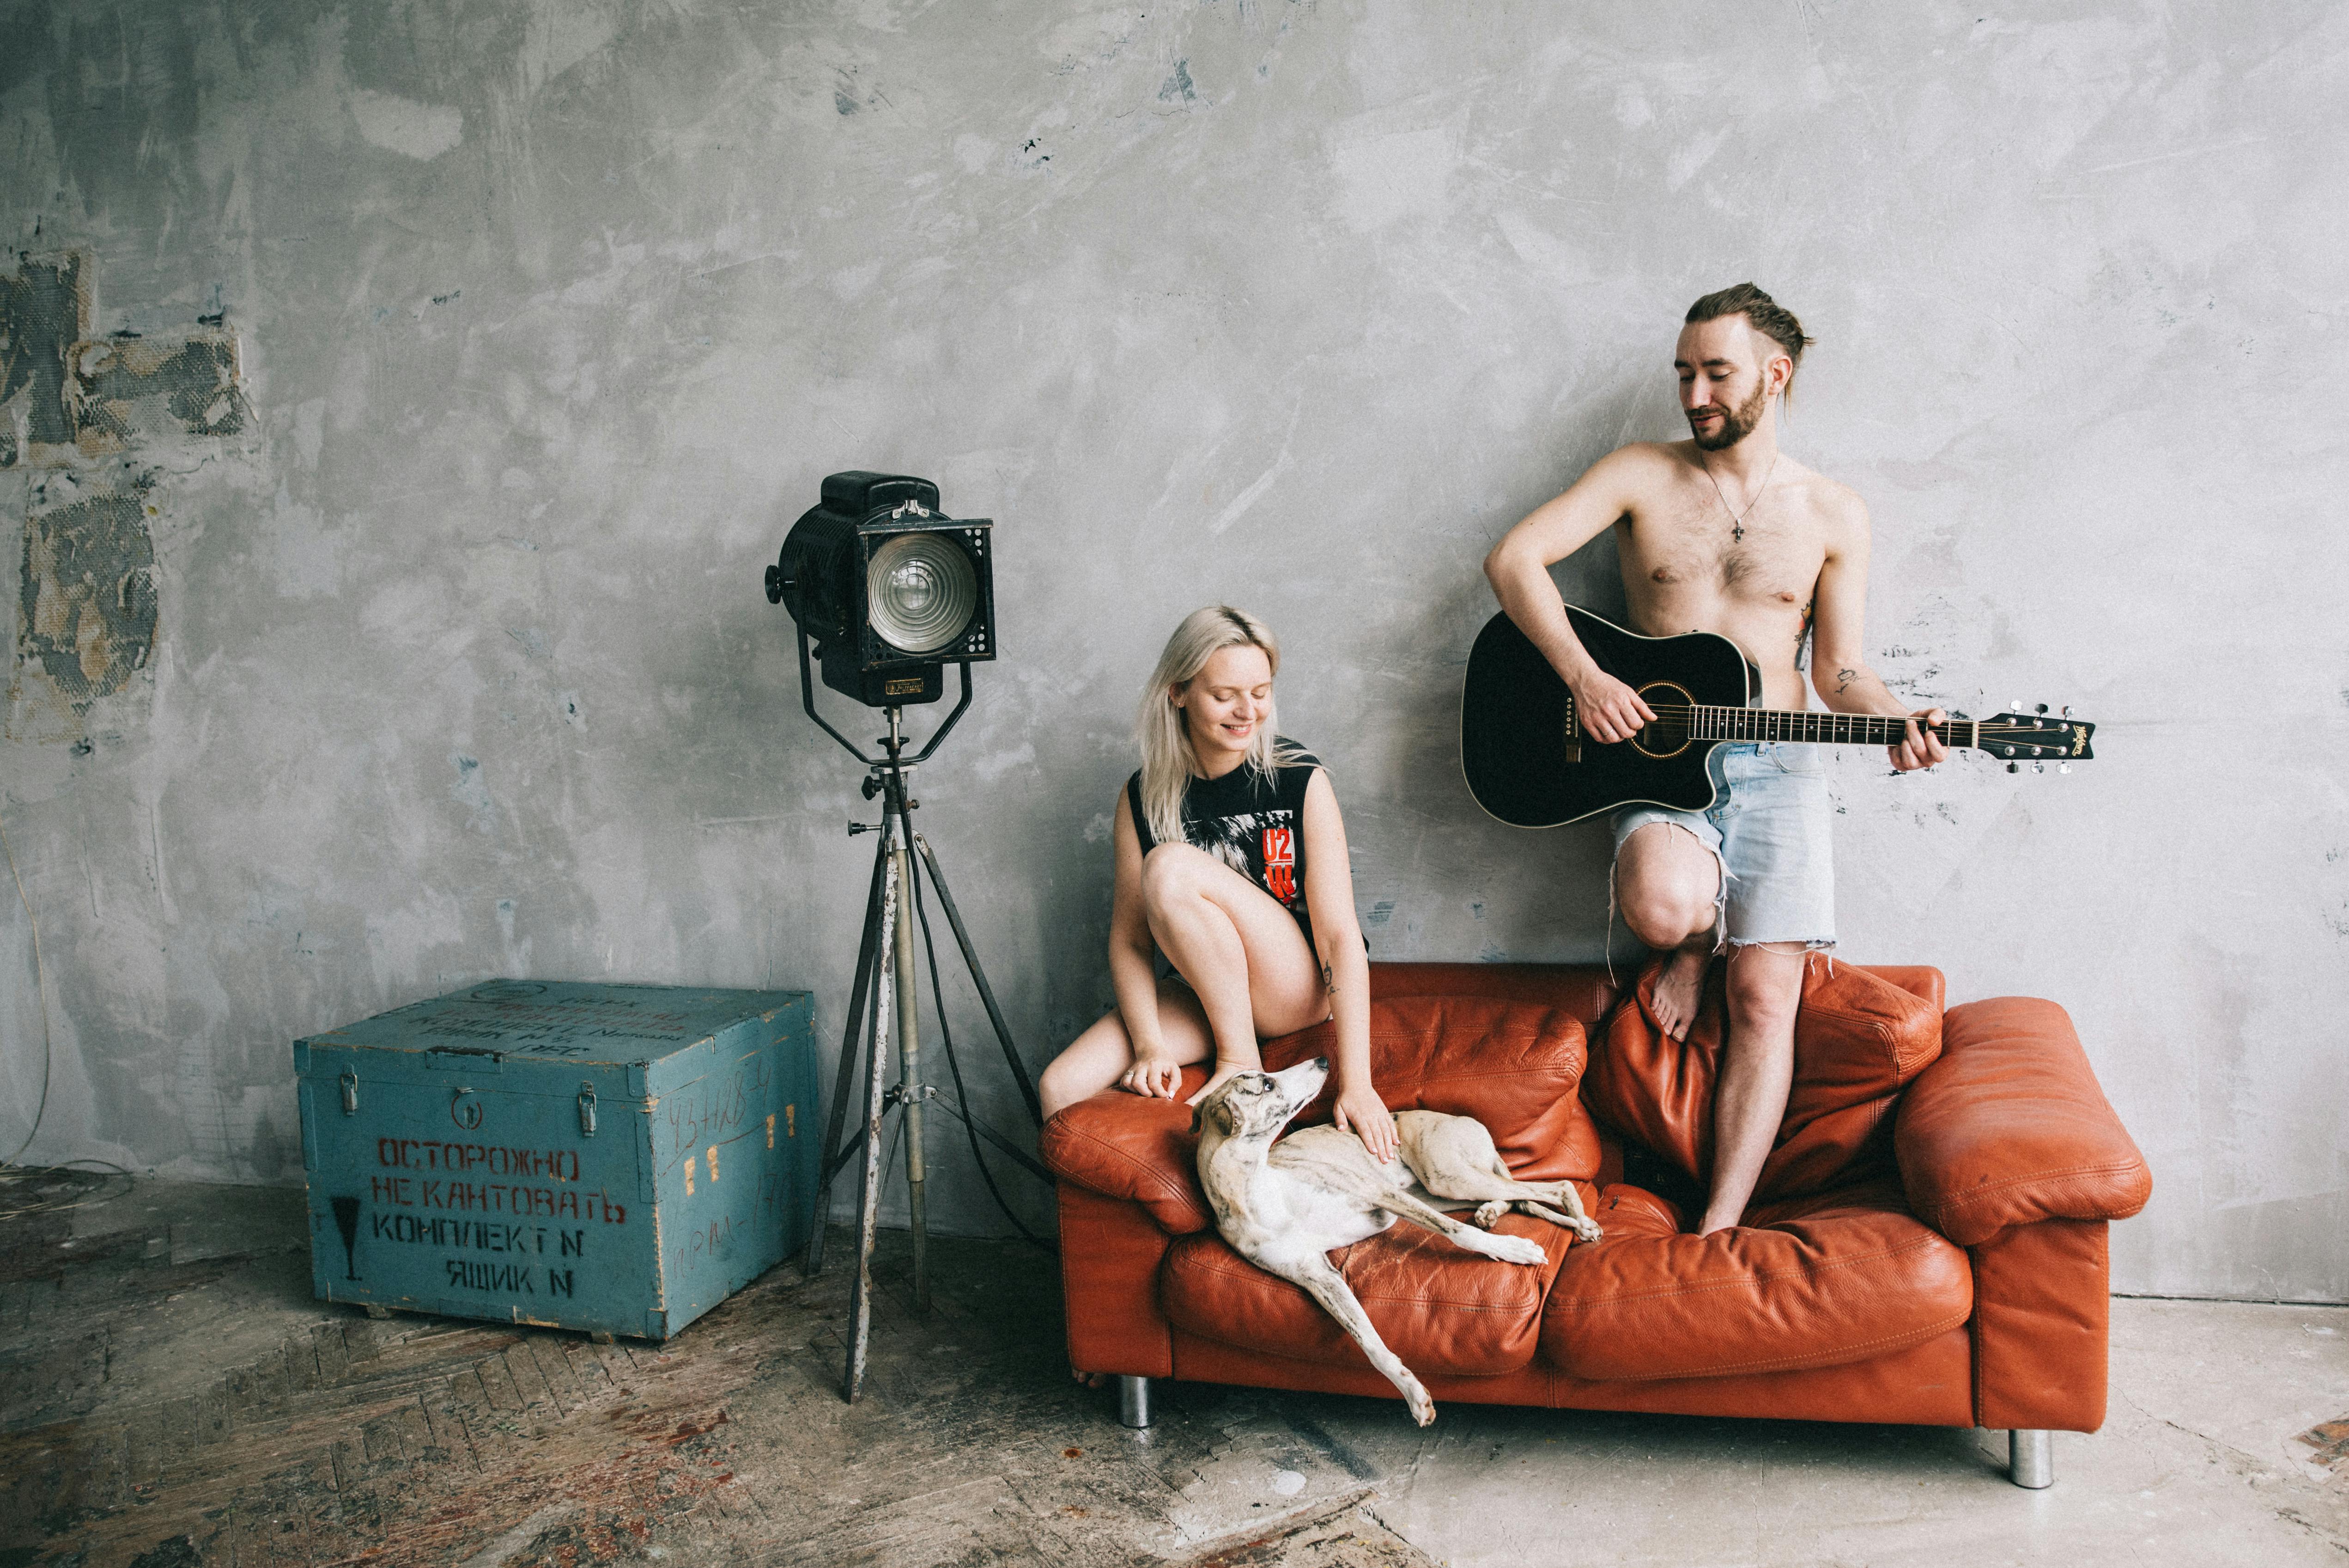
(1606, 710)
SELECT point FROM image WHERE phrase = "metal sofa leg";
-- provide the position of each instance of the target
(1133, 1403)
(2031, 1459)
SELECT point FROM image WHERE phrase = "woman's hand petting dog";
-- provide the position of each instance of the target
(1215, 1080)
(1362, 1112)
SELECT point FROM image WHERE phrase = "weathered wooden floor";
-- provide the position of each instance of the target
(171, 1394)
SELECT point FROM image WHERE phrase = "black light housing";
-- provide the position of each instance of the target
(891, 589)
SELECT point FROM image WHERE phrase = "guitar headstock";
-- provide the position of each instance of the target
(2038, 736)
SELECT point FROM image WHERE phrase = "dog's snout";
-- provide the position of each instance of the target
(1322, 1062)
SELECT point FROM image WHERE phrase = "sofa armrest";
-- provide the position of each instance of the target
(1139, 1149)
(2010, 1127)
(1109, 1256)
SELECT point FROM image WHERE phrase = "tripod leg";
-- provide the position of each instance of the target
(811, 1260)
(868, 1194)
(978, 977)
(909, 1048)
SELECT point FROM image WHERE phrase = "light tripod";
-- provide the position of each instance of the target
(884, 998)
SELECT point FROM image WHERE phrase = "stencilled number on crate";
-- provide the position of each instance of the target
(715, 1112)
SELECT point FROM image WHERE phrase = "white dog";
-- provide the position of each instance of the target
(1284, 1205)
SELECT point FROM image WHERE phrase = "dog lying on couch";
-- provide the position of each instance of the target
(1284, 1205)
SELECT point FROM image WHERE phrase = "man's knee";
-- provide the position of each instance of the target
(1667, 883)
(1665, 917)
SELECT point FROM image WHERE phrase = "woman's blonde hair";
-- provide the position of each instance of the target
(1168, 761)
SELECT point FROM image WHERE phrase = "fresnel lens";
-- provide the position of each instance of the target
(891, 590)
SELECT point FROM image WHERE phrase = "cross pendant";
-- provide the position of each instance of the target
(1737, 531)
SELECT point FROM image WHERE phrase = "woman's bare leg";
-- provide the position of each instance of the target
(1242, 953)
(1097, 1058)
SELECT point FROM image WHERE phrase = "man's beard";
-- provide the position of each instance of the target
(1736, 424)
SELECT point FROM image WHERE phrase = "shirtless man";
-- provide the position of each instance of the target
(1724, 533)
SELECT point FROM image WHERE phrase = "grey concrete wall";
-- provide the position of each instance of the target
(548, 318)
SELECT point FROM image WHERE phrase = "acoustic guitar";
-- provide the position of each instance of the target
(1530, 764)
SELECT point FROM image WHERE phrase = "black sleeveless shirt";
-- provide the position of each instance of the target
(1253, 825)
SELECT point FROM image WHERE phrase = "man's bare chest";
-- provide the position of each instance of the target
(1685, 548)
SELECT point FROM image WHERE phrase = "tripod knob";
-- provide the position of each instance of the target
(776, 584)
(872, 785)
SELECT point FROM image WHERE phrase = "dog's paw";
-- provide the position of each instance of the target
(1514, 1250)
(1423, 1409)
(1588, 1231)
(1489, 1214)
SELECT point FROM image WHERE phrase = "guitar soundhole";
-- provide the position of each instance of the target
(1669, 735)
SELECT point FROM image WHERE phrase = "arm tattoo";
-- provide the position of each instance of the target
(1844, 677)
(1329, 979)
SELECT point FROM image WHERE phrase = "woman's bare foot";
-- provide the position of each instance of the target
(1680, 985)
(1090, 1380)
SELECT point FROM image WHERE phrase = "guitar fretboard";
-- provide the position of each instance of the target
(1817, 729)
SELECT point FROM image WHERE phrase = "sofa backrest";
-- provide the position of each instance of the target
(1515, 1065)
(1583, 989)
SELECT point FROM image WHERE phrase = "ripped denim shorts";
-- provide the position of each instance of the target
(1770, 829)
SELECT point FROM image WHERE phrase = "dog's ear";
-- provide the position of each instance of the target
(1219, 1108)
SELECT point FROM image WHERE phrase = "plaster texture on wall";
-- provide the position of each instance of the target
(551, 317)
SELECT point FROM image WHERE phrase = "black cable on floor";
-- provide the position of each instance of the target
(954, 1065)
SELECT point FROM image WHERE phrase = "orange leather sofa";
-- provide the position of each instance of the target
(1927, 1245)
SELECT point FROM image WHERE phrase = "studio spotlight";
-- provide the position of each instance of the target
(891, 590)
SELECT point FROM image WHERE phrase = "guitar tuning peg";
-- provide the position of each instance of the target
(2067, 710)
(2014, 768)
(2039, 767)
(2063, 768)
(2042, 708)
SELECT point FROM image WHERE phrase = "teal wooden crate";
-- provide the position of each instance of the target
(618, 1159)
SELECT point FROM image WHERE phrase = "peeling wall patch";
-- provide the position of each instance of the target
(44, 312)
(87, 612)
(66, 396)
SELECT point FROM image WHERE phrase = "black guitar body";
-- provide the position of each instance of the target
(1530, 764)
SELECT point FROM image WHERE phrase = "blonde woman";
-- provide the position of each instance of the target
(1231, 860)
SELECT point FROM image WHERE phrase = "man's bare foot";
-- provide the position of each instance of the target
(1679, 986)
(1090, 1380)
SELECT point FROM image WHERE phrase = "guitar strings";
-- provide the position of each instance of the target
(1982, 725)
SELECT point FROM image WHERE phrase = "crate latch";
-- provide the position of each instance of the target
(586, 1110)
(350, 1082)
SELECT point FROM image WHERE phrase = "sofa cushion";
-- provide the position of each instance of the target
(1444, 1310)
(1817, 1281)
(1858, 1039)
